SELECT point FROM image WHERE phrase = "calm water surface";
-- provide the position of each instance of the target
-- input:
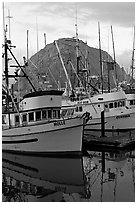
(101, 176)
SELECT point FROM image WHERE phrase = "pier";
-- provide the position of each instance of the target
(113, 140)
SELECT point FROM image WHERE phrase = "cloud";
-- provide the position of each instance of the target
(120, 13)
(124, 59)
(57, 20)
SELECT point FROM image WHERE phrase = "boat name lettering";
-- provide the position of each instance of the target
(122, 116)
(61, 122)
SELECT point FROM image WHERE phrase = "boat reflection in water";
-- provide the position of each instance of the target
(28, 178)
(102, 176)
(114, 180)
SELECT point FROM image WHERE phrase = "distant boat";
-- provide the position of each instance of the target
(117, 115)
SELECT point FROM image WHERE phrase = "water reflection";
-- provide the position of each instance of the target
(101, 176)
(115, 176)
(42, 178)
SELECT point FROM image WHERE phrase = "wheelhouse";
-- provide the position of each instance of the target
(46, 107)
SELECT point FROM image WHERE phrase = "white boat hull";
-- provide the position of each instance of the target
(55, 137)
(121, 122)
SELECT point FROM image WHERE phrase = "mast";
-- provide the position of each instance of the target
(9, 17)
(100, 54)
(132, 64)
(6, 73)
(6, 58)
(27, 46)
(77, 49)
(114, 56)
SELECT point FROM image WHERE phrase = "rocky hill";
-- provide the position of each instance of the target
(45, 68)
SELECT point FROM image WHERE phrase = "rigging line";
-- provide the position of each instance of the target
(53, 77)
(13, 102)
(64, 68)
(47, 67)
(22, 69)
(35, 74)
(82, 86)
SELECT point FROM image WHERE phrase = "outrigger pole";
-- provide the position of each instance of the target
(70, 85)
(100, 54)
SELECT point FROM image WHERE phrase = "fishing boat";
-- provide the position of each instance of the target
(116, 115)
(35, 125)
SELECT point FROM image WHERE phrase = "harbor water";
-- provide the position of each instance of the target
(100, 176)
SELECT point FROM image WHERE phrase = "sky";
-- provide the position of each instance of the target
(58, 19)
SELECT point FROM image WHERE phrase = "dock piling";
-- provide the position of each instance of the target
(102, 124)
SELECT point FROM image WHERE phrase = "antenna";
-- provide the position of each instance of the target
(37, 35)
(9, 17)
(45, 39)
(27, 46)
(3, 20)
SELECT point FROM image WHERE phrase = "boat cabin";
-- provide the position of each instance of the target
(34, 108)
(106, 101)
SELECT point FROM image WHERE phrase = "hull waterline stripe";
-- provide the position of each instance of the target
(56, 154)
(20, 141)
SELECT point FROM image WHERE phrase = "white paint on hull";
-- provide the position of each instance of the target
(121, 122)
(50, 138)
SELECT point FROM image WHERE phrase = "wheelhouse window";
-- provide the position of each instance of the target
(80, 108)
(63, 113)
(132, 102)
(49, 114)
(44, 114)
(111, 105)
(38, 115)
(54, 114)
(76, 109)
(4, 119)
(106, 105)
(58, 113)
(118, 103)
(24, 117)
(31, 116)
(123, 103)
(115, 104)
(16, 118)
